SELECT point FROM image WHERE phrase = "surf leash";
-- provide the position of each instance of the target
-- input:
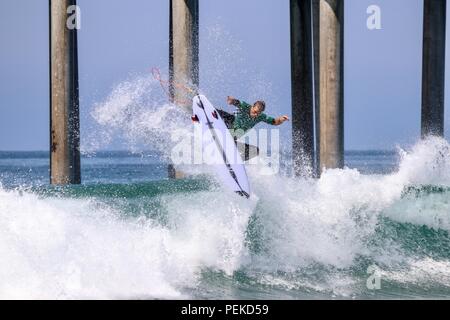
(165, 85)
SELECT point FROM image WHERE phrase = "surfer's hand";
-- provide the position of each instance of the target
(232, 101)
(280, 120)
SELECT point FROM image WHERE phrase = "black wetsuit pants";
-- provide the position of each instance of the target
(228, 118)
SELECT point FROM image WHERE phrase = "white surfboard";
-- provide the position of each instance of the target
(219, 148)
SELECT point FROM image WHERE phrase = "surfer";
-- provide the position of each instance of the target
(247, 116)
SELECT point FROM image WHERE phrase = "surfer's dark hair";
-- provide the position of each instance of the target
(261, 104)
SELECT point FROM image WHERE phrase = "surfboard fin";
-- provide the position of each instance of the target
(195, 118)
(243, 194)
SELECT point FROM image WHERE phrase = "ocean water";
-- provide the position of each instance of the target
(378, 229)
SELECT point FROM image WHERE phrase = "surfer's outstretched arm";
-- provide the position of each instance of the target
(233, 102)
(280, 120)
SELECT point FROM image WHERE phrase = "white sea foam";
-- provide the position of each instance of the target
(65, 248)
(424, 272)
(140, 117)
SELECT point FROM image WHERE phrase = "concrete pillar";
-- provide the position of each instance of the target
(183, 47)
(433, 72)
(302, 86)
(64, 100)
(316, 57)
(171, 173)
(183, 56)
(331, 83)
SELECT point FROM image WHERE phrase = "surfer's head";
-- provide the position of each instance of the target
(257, 108)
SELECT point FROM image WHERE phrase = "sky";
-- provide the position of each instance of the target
(244, 52)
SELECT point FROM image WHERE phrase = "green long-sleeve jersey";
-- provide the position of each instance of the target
(244, 122)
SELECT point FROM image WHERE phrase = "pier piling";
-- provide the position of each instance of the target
(183, 54)
(64, 98)
(433, 72)
(183, 48)
(329, 52)
(302, 86)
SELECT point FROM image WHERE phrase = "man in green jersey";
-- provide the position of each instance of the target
(247, 116)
